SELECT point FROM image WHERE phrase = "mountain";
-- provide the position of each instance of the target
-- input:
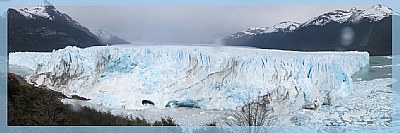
(44, 28)
(108, 38)
(287, 26)
(362, 30)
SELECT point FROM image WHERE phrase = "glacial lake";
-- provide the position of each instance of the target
(379, 67)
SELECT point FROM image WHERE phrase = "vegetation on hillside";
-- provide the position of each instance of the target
(30, 106)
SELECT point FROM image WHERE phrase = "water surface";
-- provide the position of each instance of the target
(379, 67)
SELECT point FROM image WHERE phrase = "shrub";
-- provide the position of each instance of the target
(165, 122)
(252, 114)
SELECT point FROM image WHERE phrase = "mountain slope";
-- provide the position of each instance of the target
(28, 105)
(362, 30)
(44, 28)
(287, 26)
(108, 38)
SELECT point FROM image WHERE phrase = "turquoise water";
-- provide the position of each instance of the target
(379, 67)
(382, 67)
(3, 71)
(396, 94)
(19, 70)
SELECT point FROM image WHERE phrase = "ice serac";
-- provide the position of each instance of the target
(211, 77)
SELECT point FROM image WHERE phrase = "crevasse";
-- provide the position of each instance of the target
(213, 77)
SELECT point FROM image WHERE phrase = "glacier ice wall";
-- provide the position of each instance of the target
(214, 77)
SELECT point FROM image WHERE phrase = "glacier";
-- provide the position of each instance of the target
(224, 77)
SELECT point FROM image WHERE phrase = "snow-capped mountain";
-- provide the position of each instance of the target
(339, 16)
(369, 29)
(287, 26)
(374, 13)
(48, 11)
(107, 37)
(44, 28)
(121, 77)
(39, 11)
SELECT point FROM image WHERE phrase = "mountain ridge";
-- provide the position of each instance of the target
(43, 28)
(342, 30)
(107, 37)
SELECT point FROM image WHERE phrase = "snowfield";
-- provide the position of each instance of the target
(121, 77)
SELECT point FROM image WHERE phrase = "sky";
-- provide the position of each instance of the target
(187, 24)
(188, 21)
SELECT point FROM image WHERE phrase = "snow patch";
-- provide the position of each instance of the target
(40, 11)
(377, 12)
(287, 26)
(37, 11)
(374, 13)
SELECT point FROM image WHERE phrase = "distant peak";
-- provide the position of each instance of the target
(285, 22)
(338, 11)
(285, 26)
(353, 9)
(377, 12)
(374, 13)
(288, 22)
(47, 3)
(45, 10)
(102, 31)
(380, 7)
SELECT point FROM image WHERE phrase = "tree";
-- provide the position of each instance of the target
(254, 113)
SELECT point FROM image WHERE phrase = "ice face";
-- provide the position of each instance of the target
(211, 77)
